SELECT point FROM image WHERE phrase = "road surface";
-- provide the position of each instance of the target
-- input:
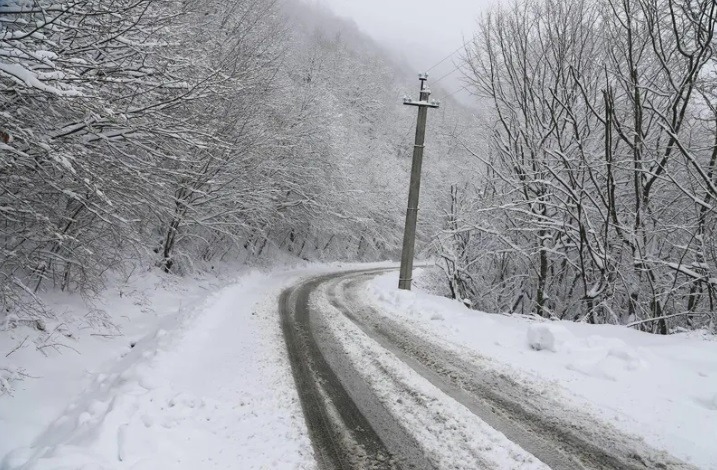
(375, 395)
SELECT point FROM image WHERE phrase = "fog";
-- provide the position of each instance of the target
(420, 31)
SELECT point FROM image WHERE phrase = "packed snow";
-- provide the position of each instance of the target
(662, 388)
(450, 435)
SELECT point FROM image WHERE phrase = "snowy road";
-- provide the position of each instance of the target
(377, 395)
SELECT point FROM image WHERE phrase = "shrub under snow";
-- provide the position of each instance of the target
(547, 336)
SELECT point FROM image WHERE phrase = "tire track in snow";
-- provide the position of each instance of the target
(564, 439)
(342, 435)
(376, 412)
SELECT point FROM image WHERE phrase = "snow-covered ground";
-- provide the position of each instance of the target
(663, 388)
(196, 376)
(449, 434)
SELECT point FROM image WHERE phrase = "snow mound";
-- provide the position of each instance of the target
(709, 403)
(606, 358)
(546, 336)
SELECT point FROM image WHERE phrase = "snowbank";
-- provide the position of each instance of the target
(660, 387)
(199, 380)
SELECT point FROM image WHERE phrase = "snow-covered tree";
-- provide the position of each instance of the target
(600, 157)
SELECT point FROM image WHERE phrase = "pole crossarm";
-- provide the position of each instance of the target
(427, 104)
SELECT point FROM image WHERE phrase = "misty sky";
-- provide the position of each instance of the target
(422, 31)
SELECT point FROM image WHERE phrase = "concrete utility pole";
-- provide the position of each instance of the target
(409, 234)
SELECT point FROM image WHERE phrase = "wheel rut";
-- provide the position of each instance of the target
(348, 426)
(534, 422)
(351, 429)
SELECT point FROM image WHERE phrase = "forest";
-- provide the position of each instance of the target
(181, 133)
(172, 135)
(596, 201)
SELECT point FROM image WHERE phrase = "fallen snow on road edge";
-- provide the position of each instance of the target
(210, 387)
(450, 435)
(663, 389)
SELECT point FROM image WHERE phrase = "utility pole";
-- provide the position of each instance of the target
(409, 233)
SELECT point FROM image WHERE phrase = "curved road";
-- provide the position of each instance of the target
(354, 427)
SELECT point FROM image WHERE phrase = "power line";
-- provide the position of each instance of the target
(446, 75)
(457, 91)
(446, 58)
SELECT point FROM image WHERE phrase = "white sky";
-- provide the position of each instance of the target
(422, 31)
